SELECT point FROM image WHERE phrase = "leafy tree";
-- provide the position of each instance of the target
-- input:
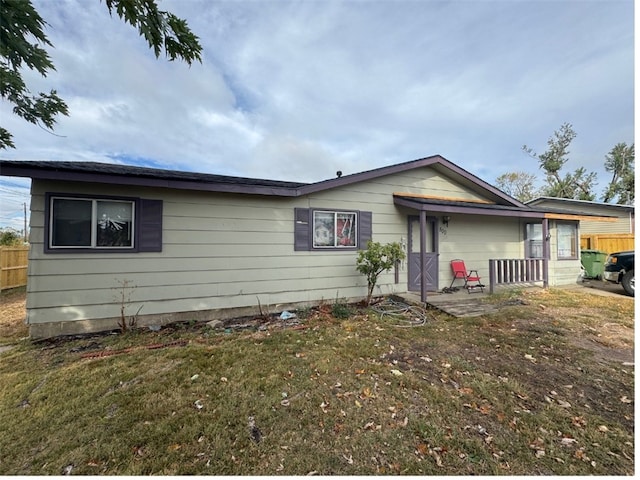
(577, 185)
(520, 185)
(376, 259)
(10, 237)
(22, 39)
(620, 163)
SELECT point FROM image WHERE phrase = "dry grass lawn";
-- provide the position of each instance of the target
(545, 386)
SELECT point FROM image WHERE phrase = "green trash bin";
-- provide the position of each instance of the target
(593, 263)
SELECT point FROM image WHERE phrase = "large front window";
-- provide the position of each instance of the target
(91, 223)
(567, 241)
(334, 229)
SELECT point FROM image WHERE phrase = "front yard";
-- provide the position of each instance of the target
(544, 386)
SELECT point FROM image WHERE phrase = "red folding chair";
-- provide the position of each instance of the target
(460, 272)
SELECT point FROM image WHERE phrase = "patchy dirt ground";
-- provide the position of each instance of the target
(12, 316)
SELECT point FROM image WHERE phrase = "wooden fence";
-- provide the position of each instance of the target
(13, 266)
(608, 242)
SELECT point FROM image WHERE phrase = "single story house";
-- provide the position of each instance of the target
(173, 246)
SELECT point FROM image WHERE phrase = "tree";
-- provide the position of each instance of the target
(577, 185)
(22, 39)
(376, 259)
(520, 185)
(620, 163)
(10, 237)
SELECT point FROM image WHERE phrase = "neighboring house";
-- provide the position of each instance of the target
(621, 218)
(176, 246)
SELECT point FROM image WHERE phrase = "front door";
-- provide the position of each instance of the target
(431, 254)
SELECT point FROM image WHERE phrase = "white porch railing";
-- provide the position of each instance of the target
(513, 271)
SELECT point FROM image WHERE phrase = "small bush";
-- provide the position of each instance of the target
(341, 310)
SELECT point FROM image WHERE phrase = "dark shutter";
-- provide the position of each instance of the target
(301, 230)
(150, 226)
(364, 234)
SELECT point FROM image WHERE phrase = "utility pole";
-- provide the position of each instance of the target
(25, 222)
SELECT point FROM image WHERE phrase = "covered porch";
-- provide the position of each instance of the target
(428, 218)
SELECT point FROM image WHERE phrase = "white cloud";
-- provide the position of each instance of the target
(297, 90)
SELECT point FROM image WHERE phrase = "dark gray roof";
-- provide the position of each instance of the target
(476, 208)
(579, 204)
(144, 176)
(152, 177)
(144, 172)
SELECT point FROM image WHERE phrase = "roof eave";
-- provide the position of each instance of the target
(111, 179)
(467, 209)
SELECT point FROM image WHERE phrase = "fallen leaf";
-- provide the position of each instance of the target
(224, 379)
(603, 428)
(565, 442)
(324, 406)
(579, 421)
(422, 448)
(359, 371)
(397, 373)
(366, 393)
(173, 447)
(564, 404)
(624, 399)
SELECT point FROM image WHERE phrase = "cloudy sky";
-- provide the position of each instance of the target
(295, 90)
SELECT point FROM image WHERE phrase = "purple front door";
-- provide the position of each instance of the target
(430, 257)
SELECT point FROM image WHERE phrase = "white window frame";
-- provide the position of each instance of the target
(335, 245)
(561, 241)
(94, 224)
(532, 240)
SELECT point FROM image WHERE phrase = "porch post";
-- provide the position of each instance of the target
(423, 256)
(546, 252)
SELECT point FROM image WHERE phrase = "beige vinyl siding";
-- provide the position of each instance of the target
(219, 251)
(621, 225)
(476, 240)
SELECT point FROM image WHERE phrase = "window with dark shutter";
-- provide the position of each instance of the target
(77, 223)
(328, 229)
